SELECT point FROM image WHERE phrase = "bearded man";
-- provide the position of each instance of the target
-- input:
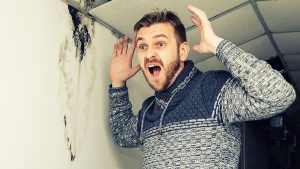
(192, 121)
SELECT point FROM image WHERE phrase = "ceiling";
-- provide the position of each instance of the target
(265, 28)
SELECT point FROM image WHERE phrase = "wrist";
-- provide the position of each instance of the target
(117, 83)
(215, 43)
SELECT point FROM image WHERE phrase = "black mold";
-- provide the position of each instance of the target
(90, 4)
(81, 35)
(65, 120)
(72, 155)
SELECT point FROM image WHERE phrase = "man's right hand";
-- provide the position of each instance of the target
(121, 62)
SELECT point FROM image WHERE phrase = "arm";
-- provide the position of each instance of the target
(254, 91)
(123, 123)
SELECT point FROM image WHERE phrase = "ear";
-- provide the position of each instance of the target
(184, 50)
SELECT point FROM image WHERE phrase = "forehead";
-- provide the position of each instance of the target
(154, 30)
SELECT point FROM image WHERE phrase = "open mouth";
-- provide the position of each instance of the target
(154, 70)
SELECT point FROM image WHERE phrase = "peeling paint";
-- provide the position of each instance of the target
(77, 78)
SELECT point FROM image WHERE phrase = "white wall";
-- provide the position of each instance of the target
(31, 122)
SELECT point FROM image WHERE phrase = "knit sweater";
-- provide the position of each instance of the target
(195, 122)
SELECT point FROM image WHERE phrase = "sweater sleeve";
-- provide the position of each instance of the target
(255, 90)
(122, 121)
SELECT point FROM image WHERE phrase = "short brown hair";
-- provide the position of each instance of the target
(163, 16)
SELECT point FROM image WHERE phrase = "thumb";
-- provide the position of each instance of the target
(134, 70)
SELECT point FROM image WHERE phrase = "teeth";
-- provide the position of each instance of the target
(151, 65)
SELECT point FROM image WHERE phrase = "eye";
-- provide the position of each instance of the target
(160, 44)
(142, 46)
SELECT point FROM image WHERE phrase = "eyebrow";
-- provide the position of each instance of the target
(156, 36)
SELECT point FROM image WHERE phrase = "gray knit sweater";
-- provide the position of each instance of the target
(195, 123)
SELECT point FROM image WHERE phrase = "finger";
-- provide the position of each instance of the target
(120, 46)
(115, 48)
(196, 11)
(200, 16)
(125, 45)
(132, 49)
(134, 70)
(195, 21)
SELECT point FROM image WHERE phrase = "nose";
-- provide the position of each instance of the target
(151, 53)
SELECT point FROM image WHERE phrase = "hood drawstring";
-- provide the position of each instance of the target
(160, 120)
(163, 114)
(142, 126)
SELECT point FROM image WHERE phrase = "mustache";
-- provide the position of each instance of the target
(153, 60)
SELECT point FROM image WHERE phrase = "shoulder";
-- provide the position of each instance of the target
(211, 85)
(216, 75)
(215, 79)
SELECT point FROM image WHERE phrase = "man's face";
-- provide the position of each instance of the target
(158, 55)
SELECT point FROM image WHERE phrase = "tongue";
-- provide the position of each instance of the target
(156, 71)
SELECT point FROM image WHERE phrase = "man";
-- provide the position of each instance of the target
(192, 121)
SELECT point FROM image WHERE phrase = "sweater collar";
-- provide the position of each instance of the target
(182, 79)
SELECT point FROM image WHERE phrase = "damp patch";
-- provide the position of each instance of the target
(77, 77)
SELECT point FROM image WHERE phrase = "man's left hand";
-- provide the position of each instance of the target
(209, 41)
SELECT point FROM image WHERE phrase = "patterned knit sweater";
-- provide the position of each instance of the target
(195, 122)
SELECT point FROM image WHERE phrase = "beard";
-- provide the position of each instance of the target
(161, 84)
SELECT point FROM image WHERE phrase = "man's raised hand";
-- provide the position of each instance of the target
(209, 41)
(121, 62)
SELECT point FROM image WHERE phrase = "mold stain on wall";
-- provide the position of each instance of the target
(81, 35)
(77, 77)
